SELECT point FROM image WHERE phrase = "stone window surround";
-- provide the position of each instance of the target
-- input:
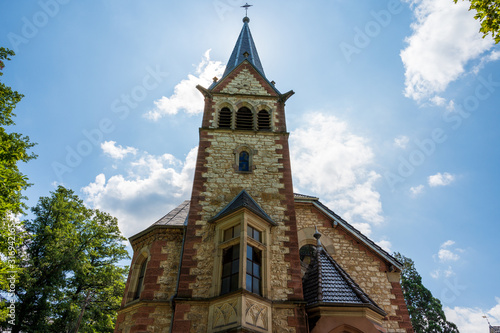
(143, 256)
(234, 109)
(245, 218)
(251, 152)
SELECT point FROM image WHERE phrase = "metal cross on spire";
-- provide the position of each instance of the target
(246, 6)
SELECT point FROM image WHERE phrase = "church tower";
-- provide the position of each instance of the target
(244, 253)
(241, 255)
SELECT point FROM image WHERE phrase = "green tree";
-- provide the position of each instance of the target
(70, 279)
(488, 13)
(14, 148)
(426, 312)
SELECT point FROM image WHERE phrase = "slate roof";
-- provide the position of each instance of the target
(177, 216)
(243, 199)
(326, 283)
(244, 50)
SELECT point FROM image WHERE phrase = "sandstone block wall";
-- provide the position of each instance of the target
(367, 268)
(152, 312)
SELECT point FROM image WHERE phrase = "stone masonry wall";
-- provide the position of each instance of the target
(366, 268)
(216, 183)
(152, 312)
(223, 184)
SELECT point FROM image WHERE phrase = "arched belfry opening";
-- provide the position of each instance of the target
(244, 119)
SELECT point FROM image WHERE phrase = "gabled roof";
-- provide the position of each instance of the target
(326, 283)
(337, 220)
(176, 218)
(244, 50)
(243, 200)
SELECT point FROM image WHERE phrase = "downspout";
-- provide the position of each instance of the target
(172, 302)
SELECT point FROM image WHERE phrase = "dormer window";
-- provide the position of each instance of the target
(244, 119)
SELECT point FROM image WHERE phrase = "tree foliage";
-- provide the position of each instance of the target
(426, 312)
(69, 268)
(488, 13)
(14, 148)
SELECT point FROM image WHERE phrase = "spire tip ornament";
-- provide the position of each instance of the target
(246, 6)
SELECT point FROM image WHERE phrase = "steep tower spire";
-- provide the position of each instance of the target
(244, 50)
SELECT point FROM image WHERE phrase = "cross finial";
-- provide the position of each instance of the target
(246, 6)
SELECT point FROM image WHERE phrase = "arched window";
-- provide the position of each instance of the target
(244, 119)
(244, 161)
(263, 120)
(140, 279)
(225, 117)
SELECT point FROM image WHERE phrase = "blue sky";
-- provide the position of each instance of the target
(393, 124)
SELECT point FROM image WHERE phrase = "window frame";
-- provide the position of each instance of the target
(142, 259)
(251, 154)
(244, 218)
(140, 280)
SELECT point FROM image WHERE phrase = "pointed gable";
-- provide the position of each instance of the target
(243, 200)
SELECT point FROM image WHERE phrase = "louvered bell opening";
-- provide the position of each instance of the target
(225, 118)
(264, 120)
(244, 119)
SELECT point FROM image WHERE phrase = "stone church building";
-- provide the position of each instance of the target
(246, 253)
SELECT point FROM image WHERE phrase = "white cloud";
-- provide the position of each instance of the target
(446, 273)
(440, 179)
(385, 244)
(333, 163)
(493, 56)
(445, 252)
(186, 97)
(445, 38)
(448, 243)
(470, 320)
(416, 190)
(152, 186)
(447, 255)
(401, 141)
(117, 152)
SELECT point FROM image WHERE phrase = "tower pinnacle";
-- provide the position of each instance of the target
(246, 6)
(244, 49)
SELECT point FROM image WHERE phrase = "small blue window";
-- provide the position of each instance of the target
(244, 164)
